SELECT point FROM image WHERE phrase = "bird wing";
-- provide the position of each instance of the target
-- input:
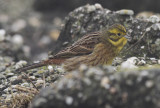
(83, 46)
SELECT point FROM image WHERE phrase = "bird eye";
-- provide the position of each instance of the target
(119, 34)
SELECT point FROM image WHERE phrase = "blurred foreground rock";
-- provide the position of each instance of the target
(91, 18)
(102, 87)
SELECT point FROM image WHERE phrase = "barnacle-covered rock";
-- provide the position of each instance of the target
(99, 87)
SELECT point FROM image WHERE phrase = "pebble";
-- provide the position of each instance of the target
(40, 81)
(69, 100)
(91, 8)
(20, 64)
(6, 90)
(27, 51)
(10, 74)
(32, 77)
(2, 76)
(1, 87)
(141, 63)
(13, 78)
(156, 26)
(2, 35)
(154, 19)
(154, 62)
(40, 101)
(159, 61)
(83, 67)
(35, 22)
(50, 68)
(18, 25)
(105, 82)
(148, 29)
(142, 47)
(125, 12)
(98, 6)
(17, 40)
(2, 68)
(152, 59)
(25, 85)
(149, 84)
(130, 63)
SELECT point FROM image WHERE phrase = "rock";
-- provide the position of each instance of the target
(2, 77)
(100, 87)
(20, 64)
(10, 74)
(2, 35)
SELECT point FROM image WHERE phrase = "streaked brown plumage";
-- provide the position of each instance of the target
(92, 49)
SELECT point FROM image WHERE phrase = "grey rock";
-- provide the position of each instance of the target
(2, 76)
(10, 74)
(2, 68)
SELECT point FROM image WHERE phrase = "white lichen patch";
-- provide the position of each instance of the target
(98, 6)
(148, 29)
(130, 63)
(20, 64)
(90, 8)
(142, 47)
(141, 63)
(125, 12)
(154, 19)
(50, 68)
(156, 26)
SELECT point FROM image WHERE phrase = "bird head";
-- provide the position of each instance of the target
(114, 32)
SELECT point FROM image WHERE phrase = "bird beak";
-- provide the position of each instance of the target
(128, 37)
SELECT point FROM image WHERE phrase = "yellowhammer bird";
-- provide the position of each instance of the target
(93, 49)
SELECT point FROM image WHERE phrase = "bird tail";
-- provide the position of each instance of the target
(31, 66)
(40, 64)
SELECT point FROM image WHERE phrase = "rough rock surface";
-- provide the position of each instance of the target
(101, 87)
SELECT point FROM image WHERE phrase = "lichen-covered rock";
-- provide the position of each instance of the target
(102, 87)
(144, 33)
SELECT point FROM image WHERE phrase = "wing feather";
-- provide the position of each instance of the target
(83, 46)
